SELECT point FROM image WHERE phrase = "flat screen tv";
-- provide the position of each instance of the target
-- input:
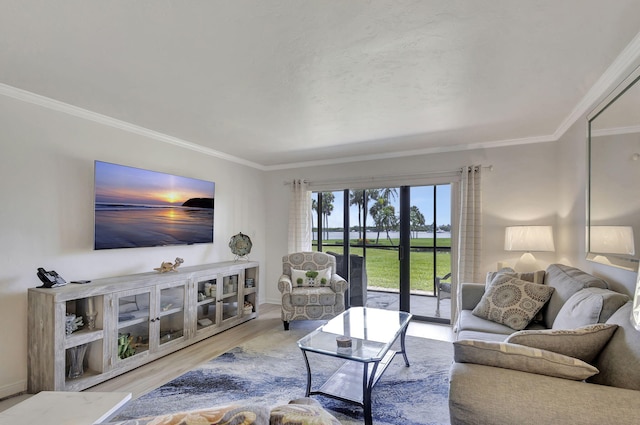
(140, 208)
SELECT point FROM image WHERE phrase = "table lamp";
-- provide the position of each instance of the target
(528, 239)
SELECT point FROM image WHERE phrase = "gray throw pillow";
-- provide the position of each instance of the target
(588, 306)
(584, 343)
(534, 277)
(512, 302)
(567, 281)
(522, 358)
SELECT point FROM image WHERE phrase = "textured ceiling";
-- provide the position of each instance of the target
(277, 82)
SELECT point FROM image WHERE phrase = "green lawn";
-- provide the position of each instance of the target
(383, 264)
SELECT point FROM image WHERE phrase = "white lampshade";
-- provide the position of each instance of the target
(611, 240)
(529, 238)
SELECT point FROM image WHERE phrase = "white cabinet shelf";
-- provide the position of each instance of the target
(139, 318)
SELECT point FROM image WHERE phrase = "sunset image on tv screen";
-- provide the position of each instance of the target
(142, 208)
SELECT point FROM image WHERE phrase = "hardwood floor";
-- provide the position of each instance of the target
(155, 374)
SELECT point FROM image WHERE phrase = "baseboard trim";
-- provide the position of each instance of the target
(14, 389)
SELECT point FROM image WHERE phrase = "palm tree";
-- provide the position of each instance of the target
(356, 197)
(389, 220)
(388, 193)
(327, 208)
(376, 213)
(314, 207)
(416, 220)
(361, 198)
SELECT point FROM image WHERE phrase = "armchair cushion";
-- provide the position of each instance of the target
(308, 295)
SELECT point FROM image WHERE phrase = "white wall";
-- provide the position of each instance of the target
(46, 213)
(521, 189)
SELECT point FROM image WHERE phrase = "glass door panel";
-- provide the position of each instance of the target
(172, 314)
(430, 219)
(378, 242)
(229, 299)
(133, 324)
(207, 303)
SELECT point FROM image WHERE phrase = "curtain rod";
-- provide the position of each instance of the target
(387, 178)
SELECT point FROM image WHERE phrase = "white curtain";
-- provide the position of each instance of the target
(469, 232)
(300, 217)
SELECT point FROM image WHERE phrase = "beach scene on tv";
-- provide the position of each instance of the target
(140, 208)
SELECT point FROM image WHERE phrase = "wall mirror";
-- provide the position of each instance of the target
(613, 199)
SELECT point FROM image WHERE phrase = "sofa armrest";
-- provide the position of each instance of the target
(470, 295)
(339, 284)
(521, 397)
(284, 284)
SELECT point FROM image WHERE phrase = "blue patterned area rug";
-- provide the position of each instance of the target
(269, 370)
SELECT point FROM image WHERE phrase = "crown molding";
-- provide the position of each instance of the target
(614, 74)
(75, 111)
(415, 152)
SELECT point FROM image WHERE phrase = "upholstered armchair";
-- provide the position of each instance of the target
(311, 289)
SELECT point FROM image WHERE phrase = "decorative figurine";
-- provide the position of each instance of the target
(169, 267)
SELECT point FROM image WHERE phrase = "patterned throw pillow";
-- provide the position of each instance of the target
(303, 411)
(222, 415)
(584, 343)
(512, 302)
(522, 358)
(303, 278)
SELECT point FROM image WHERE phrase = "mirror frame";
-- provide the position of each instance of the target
(624, 262)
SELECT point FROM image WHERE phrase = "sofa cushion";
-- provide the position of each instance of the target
(306, 296)
(470, 322)
(512, 302)
(584, 343)
(567, 281)
(233, 414)
(304, 411)
(588, 306)
(534, 277)
(522, 358)
(481, 336)
(619, 360)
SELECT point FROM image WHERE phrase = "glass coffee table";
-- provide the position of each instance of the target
(370, 332)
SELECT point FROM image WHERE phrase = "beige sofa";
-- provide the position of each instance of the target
(546, 374)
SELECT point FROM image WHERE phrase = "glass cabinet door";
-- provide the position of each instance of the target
(171, 314)
(230, 297)
(206, 310)
(133, 310)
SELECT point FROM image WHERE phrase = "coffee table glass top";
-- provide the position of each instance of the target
(372, 332)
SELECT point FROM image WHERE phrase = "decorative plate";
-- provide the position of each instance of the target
(240, 245)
